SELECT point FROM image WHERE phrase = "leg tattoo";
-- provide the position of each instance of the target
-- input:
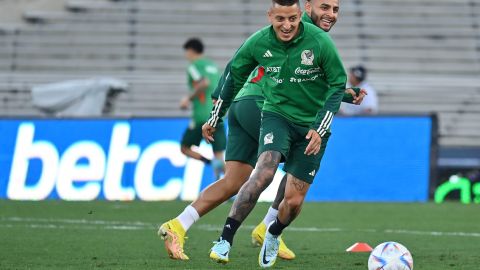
(292, 203)
(260, 179)
(299, 185)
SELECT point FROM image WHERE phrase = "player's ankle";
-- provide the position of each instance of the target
(270, 216)
(188, 217)
(277, 227)
(229, 230)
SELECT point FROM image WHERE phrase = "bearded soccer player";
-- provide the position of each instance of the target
(304, 87)
(241, 153)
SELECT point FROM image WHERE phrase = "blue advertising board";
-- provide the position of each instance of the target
(367, 159)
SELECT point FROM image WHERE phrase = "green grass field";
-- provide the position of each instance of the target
(122, 235)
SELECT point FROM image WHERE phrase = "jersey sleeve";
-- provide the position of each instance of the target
(337, 79)
(348, 98)
(194, 73)
(216, 92)
(241, 65)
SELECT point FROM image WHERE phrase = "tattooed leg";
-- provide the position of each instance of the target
(260, 179)
(295, 192)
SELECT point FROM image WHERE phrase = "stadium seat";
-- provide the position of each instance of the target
(417, 57)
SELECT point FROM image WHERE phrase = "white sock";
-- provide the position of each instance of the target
(270, 216)
(188, 217)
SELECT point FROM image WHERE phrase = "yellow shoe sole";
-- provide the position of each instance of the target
(215, 258)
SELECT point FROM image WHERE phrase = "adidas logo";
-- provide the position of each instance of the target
(312, 173)
(228, 226)
(267, 54)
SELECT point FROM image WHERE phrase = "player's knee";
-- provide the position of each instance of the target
(232, 187)
(262, 182)
(294, 202)
(267, 174)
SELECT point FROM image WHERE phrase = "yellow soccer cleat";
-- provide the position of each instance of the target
(258, 235)
(173, 234)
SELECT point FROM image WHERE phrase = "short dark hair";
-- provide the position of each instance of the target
(360, 72)
(194, 44)
(286, 2)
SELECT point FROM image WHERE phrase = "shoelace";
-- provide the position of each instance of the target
(220, 242)
(274, 251)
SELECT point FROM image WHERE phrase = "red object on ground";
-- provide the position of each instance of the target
(359, 247)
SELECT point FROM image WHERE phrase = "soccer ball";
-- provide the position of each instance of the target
(390, 256)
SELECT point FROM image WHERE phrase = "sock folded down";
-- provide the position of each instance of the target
(277, 227)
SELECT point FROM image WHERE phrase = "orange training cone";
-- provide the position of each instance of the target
(359, 247)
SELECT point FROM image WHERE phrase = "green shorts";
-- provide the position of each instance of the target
(193, 136)
(279, 134)
(244, 119)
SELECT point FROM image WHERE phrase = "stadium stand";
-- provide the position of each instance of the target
(421, 60)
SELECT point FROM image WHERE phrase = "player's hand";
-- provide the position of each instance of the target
(207, 132)
(315, 143)
(184, 103)
(357, 100)
(214, 101)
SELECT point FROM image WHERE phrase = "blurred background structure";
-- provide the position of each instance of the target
(421, 60)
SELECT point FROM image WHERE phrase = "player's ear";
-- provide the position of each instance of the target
(308, 8)
(270, 15)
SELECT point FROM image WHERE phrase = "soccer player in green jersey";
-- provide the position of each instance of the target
(241, 153)
(203, 77)
(304, 87)
(324, 14)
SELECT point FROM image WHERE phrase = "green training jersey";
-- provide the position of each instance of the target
(252, 89)
(304, 79)
(198, 70)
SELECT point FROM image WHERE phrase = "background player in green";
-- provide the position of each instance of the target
(203, 77)
(241, 153)
(303, 89)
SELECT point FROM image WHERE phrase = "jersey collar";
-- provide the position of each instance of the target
(306, 18)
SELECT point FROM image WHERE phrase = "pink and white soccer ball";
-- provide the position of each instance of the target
(390, 256)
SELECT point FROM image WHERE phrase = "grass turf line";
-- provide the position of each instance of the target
(122, 235)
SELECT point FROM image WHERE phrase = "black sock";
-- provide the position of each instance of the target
(229, 230)
(206, 160)
(277, 227)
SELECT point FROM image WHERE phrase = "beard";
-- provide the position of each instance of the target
(317, 20)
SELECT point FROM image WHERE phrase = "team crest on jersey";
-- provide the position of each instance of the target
(307, 57)
(268, 139)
